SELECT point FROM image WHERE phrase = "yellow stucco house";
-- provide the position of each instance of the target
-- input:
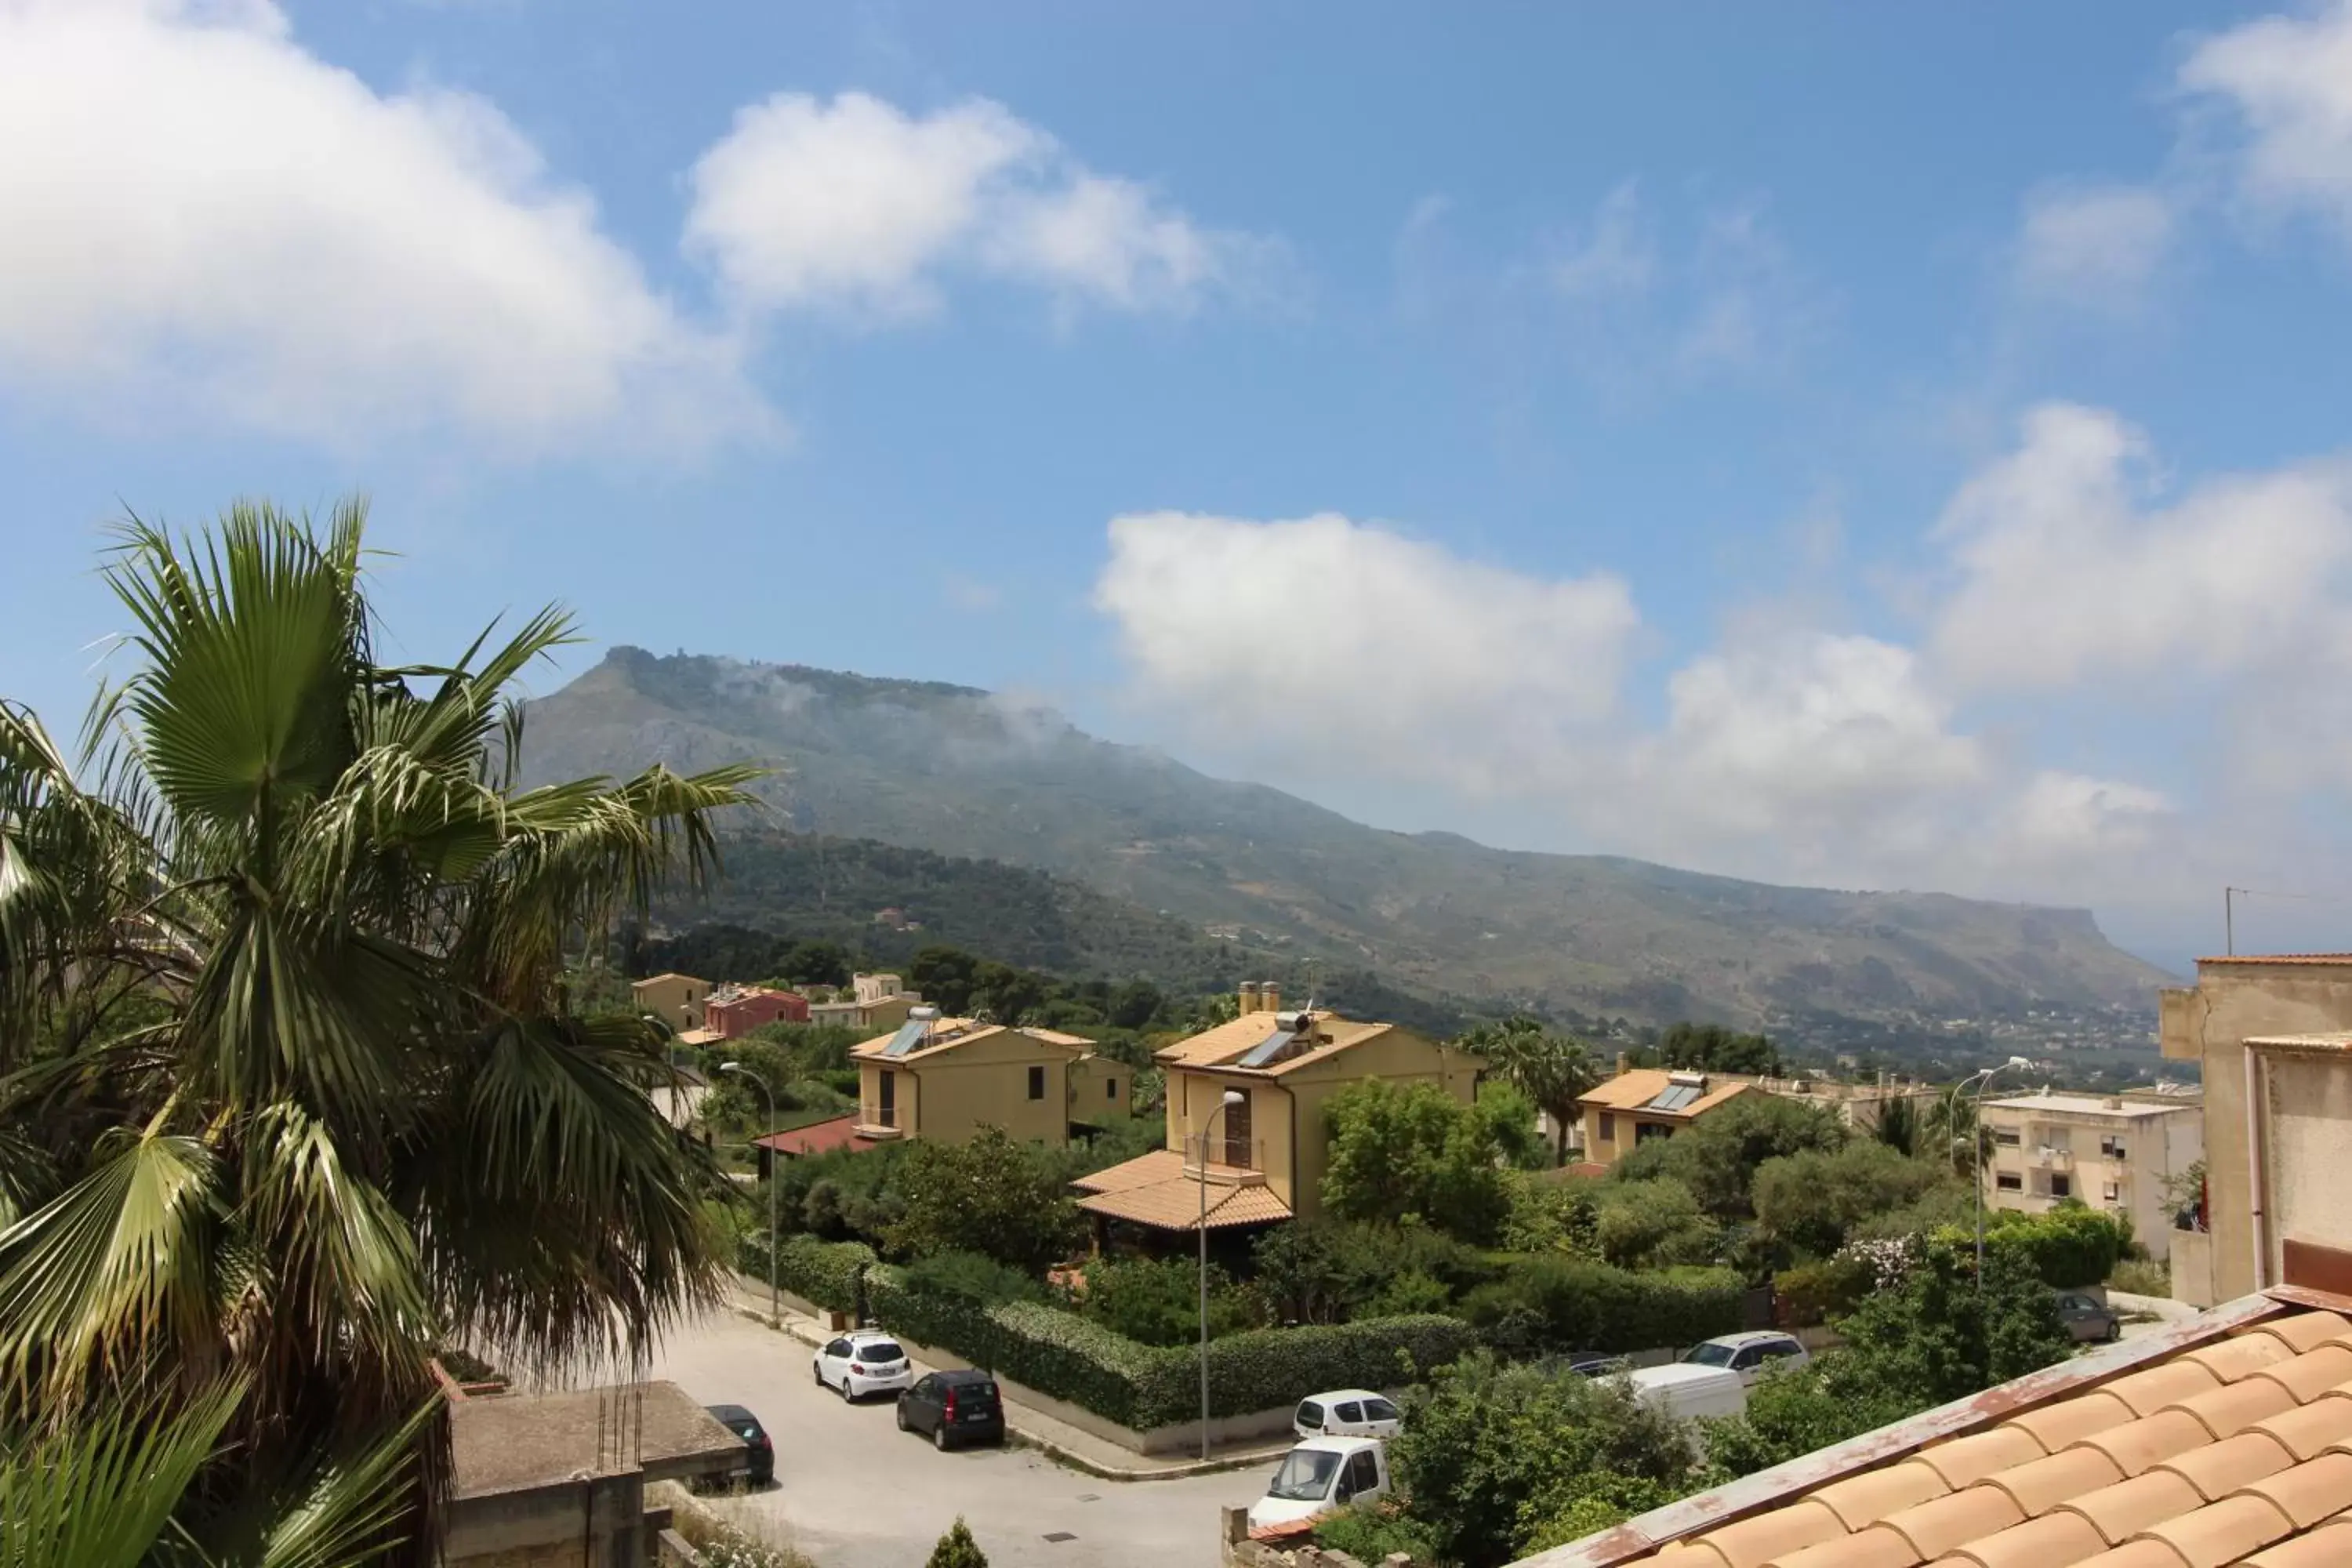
(676, 999)
(1649, 1102)
(948, 1077)
(1266, 1151)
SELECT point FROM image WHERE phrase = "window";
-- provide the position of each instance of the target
(1645, 1130)
(1378, 1410)
(1310, 1415)
(1353, 1413)
(2112, 1148)
(838, 1350)
(2007, 1137)
(2062, 1186)
(1363, 1475)
(1607, 1128)
(1036, 1083)
(1111, 1089)
(1747, 1360)
(2007, 1182)
(2112, 1191)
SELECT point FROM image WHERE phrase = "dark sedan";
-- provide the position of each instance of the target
(953, 1408)
(762, 1464)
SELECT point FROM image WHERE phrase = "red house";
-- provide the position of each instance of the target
(734, 1011)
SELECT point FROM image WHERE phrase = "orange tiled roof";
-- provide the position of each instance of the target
(962, 1031)
(1229, 1042)
(1633, 1091)
(2235, 1449)
(1153, 1190)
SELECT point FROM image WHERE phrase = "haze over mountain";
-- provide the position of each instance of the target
(961, 772)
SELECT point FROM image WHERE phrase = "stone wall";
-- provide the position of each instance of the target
(1236, 1550)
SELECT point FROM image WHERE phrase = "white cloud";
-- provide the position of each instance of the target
(2068, 572)
(1615, 255)
(2096, 246)
(2287, 81)
(2067, 816)
(854, 204)
(195, 212)
(1362, 646)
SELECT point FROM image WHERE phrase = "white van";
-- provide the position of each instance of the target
(1687, 1391)
(1321, 1475)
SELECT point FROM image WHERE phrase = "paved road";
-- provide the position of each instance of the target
(853, 1491)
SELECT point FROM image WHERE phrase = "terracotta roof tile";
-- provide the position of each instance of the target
(2233, 1359)
(2149, 1392)
(1753, 1541)
(2224, 1412)
(2055, 1425)
(2312, 1374)
(2317, 1489)
(1866, 1499)
(1877, 1547)
(2037, 1543)
(2222, 1532)
(1935, 1528)
(2136, 1445)
(2041, 1485)
(2307, 1432)
(2219, 1454)
(2316, 1550)
(1964, 1461)
(2219, 1468)
(2306, 1331)
(2123, 1511)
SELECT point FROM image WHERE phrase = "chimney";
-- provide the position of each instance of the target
(1624, 1064)
(2115, 1102)
(1270, 996)
(1249, 996)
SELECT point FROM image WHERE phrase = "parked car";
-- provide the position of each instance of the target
(867, 1362)
(1321, 1475)
(2088, 1318)
(761, 1460)
(1346, 1413)
(953, 1408)
(1595, 1363)
(1686, 1390)
(1748, 1354)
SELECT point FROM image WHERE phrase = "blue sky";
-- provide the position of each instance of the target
(1865, 444)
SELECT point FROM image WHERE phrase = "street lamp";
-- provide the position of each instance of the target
(1976, 1135)
(768, 1094)
(1232, 1097)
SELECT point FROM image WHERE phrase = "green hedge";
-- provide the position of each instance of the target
(824, 1272)
(1063, 1355)
(2072, 1248)
(1813, 1293)
(1564, 1304)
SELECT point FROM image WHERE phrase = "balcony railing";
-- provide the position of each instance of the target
(874, 1116)
(1239, 1162)
(2047, 1158)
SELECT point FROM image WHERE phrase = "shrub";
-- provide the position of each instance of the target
(1064, 1356)
(2141, 1277)
(973, 1275)
(824, 1272)
(2071, 1246)
(1813, 1293)
(1158, 1301)
(1324, 1271)
(1812, 1200)
(1373, 1532)
(1646, 1224)
(957, 1549)
(1550, 1304)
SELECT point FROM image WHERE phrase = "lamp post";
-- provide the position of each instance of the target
(1976, 1134)
(1232, 1097)
(774, 1315)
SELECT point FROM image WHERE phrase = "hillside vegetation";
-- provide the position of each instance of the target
(961, 772)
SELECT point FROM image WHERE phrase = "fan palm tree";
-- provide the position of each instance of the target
(289, 1089)
(1552, 1070)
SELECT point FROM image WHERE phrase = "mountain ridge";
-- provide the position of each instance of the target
(957, 770)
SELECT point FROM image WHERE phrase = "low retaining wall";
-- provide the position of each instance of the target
(1236, 1550)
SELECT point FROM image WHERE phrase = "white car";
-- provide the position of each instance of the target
(1321, 1475)
(1749, 1354)
(867, 1362)
(1346, 1413)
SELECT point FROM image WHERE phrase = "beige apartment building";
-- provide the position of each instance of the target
(676, 999)
(946, 1078)
(874, 1002)
(2274, 1035)
(2115, 1154)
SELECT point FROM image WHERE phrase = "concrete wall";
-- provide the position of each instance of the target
(2234, 1000)
(598, 1523)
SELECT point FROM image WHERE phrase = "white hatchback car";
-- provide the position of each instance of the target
(867, 1362)
(1346, 1413)
(1749, 1354)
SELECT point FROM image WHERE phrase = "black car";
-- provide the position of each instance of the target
(953, 1408)
(746, 1426)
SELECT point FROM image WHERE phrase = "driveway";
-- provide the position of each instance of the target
(853, 1491)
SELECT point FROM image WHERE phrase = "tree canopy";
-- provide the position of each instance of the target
(1401, 1151)
(289, 1089)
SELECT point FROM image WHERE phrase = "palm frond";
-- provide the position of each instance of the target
(102, 1493)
